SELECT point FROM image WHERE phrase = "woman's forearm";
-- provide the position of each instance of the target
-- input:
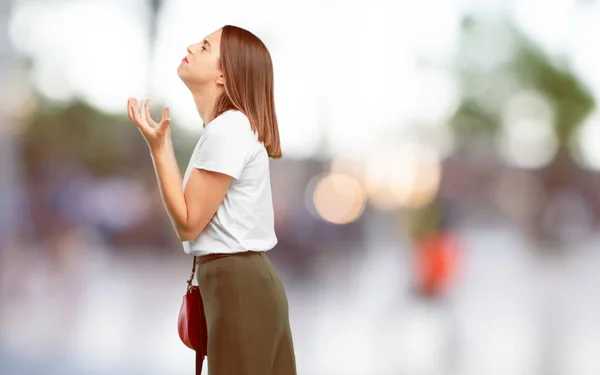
(173, 160)
(169, 183)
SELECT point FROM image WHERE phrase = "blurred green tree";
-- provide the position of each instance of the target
(498, 57)
(494, 62)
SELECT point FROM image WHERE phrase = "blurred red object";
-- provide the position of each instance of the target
(436, 262)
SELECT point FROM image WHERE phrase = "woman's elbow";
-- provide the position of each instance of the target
(185, 236)
(188, 234)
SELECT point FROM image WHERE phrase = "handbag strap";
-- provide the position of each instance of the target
(189, 282)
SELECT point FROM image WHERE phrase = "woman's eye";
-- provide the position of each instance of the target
(204, 48)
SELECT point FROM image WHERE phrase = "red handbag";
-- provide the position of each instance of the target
(191, 324)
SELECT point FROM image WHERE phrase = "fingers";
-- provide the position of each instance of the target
(147, 114)
(139, 114)
(144, 111)
(136, 113)
(164, 125)
(165, 114)
(166, 120)
(130, 109)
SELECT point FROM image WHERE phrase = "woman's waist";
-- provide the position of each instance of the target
(213, 256)
(207, 244)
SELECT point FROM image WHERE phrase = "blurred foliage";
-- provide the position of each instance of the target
(470, 120)
(105, 144)
(571, 99)
(495, 62)
(97, 140)
(498, 57)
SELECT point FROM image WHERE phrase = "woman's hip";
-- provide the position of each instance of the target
(240, 279)
(247, 316)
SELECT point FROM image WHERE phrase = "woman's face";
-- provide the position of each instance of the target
(201, 66)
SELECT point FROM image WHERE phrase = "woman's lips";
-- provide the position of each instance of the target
(186, 60)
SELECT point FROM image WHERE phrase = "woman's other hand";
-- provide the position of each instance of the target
(155, 133)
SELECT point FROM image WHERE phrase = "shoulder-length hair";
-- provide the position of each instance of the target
(248, 71)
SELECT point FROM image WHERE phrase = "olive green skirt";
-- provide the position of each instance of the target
(247, 316)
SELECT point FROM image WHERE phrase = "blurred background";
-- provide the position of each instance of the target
(437, 206)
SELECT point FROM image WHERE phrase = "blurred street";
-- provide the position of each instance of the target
(358, 318)
(437, 205)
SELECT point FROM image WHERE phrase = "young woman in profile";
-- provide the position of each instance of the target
(222, 208)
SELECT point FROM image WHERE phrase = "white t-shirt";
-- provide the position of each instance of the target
(244, 220)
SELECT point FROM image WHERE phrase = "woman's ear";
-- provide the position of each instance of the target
(220, 79)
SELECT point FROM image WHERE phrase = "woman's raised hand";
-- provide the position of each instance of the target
(154, 133)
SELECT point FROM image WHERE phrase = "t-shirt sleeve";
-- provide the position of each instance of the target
(223, 151)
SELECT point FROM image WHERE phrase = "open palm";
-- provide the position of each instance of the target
(154, 133)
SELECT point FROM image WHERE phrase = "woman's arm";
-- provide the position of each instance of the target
(189, 211)
(170, 151)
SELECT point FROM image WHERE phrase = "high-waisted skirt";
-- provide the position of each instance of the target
(247, 316)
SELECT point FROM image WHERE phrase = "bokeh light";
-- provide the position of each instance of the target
(339, 198)
(407, 175)
(585, 144)
(527, 138)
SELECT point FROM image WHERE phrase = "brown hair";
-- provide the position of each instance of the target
(248, 72)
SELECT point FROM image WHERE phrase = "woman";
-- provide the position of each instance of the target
(224, 216)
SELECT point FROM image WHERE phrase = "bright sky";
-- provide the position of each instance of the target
(344, 70)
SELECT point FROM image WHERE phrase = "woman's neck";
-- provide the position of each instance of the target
(205, 100)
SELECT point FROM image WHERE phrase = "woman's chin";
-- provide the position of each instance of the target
(181, 71)
(184, 77)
